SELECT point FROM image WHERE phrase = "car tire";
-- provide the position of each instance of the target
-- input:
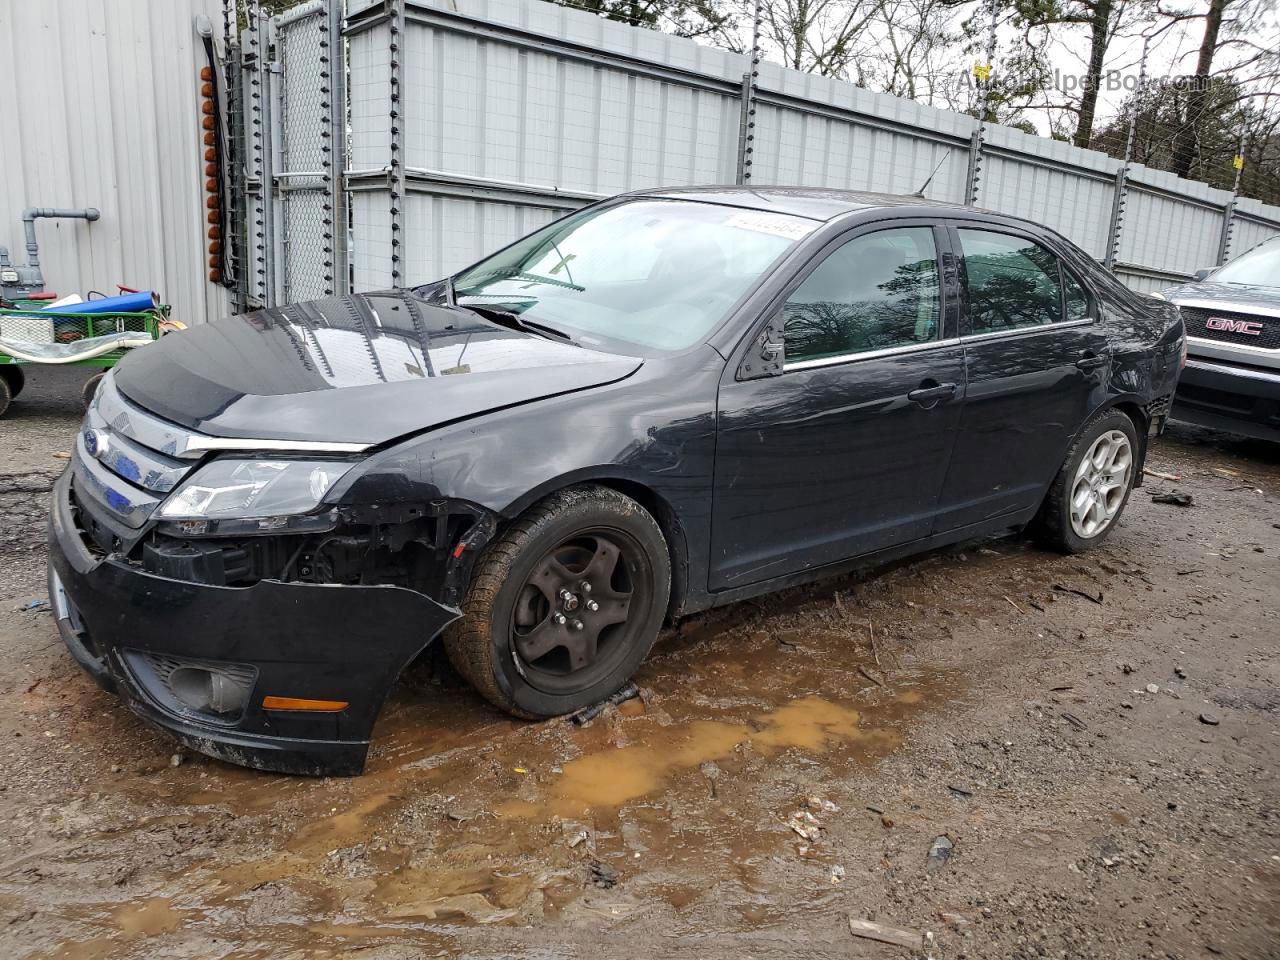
(1081, 497)
(16, 379)
(89, 389)
(6, 395)
(509, 643)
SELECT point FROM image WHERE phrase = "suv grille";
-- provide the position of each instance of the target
(1196, 319)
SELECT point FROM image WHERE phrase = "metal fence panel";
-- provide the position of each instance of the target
(1169, 233)
(1251, 227)
(101, 109)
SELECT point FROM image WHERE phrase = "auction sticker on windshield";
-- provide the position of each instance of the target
(777, 224)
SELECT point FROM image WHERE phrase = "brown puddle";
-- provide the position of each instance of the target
(449, 827)
(149, 917)
(613, 776)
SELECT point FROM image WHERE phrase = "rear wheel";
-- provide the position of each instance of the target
(1091, 489)
(564, 605)
(6, 395)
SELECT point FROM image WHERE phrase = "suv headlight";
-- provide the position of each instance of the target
(253, 489)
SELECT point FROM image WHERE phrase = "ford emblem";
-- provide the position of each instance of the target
(95, 443)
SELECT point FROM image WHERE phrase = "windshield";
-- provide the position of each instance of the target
(659, 274)
(1260, 266)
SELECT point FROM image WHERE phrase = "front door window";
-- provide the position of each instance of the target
(877, 291)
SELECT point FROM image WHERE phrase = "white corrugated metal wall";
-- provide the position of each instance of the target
(515, 110)
(99, 107)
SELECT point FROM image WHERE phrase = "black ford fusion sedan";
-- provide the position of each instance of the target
(664, 402)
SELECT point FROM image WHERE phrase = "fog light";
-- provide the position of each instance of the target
(216, 691)
(207, 691)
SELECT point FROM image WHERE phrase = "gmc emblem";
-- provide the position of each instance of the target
(1250, 328)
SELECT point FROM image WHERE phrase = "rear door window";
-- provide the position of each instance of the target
(1014, 283)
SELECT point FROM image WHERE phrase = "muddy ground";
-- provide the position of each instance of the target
(995, 696)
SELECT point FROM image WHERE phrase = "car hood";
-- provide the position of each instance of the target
(360, 369)
(1240, 296)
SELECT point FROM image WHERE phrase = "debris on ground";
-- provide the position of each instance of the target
(1173, 499)
(603, 875)
(837, 874)
(940, 852)
(1075, 721)
(870, 930)
(805, 825)
(1171, 477)
(587, 714)
(1063, 588)
(871, 676)
(1153, 688)
(461, 813)
(1209, 719)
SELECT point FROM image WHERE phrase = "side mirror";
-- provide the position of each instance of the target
(766, 356)
(1200, 275)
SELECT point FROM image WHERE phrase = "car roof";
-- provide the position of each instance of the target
(816, 203)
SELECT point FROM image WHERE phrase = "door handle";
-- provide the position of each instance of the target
(930, 393)
(1091, 361)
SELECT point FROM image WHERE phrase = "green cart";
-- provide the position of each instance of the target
(32, 336)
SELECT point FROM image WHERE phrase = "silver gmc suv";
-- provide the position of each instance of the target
(1232, 378)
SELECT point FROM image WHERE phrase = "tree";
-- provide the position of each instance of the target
(1103, 19)
(1228, 123)
(683, 18)
(1231, 28)
(817, 36)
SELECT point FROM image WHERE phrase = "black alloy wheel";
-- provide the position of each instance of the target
(564, 604)
(572, 620)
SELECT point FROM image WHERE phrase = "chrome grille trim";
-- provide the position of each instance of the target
(124, 418)
(129, 505)
(129, 459)
(172, 440)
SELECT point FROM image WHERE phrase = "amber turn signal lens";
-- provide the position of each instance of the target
(298, 703)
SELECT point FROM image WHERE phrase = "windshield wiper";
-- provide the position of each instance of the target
(509, 318)
(511, 273)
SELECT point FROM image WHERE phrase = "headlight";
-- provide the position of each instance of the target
(247, 489)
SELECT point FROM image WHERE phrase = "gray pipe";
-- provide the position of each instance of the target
(4, 256)
(31, 214)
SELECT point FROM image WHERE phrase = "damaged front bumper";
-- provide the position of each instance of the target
(134, 632)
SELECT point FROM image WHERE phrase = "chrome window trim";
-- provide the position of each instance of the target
(869, 355)
(1234, 371)
(1232, 345)
(1027, 331)
(1230, 306)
